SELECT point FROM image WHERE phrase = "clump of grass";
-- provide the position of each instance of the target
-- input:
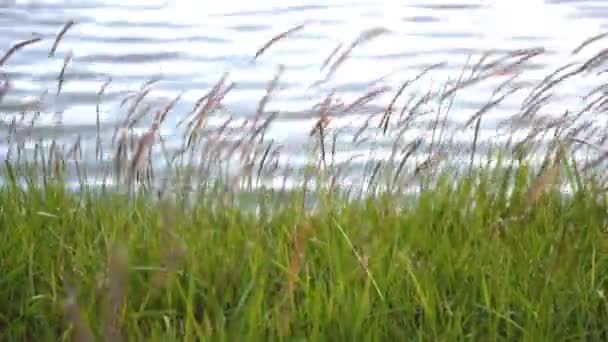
(465, 259)
(423, 244)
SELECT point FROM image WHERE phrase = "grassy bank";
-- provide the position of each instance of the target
(511, 244)
(465, 260)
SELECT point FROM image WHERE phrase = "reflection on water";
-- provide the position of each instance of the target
(190, 44)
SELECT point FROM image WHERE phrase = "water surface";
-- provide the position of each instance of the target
(190, 44)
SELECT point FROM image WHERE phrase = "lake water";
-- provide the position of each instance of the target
(189, 45)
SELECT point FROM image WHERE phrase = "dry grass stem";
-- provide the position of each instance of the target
(162, 115)
(121, 153)
(550, 77)
(144, 148)
(384, 123)
(117, 292)
(298, 239)
(588, 42)
(589, 143)
(278, 38)
(172, 253)
(551, 84)
(488, 106)
(104, 86)
(60, 35)
(272, 86)
(138, 99)
(364, 37)
(479, 63)
(100, 92)
(411, 148)
(200, 116)
(594, 61)
(61, 79)
(18, 47)
(365, 99)
(322, 124)
(81, 332)
(494, 69)
(331, 56)
(548, 177)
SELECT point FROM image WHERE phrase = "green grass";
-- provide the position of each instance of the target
(461, 261)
